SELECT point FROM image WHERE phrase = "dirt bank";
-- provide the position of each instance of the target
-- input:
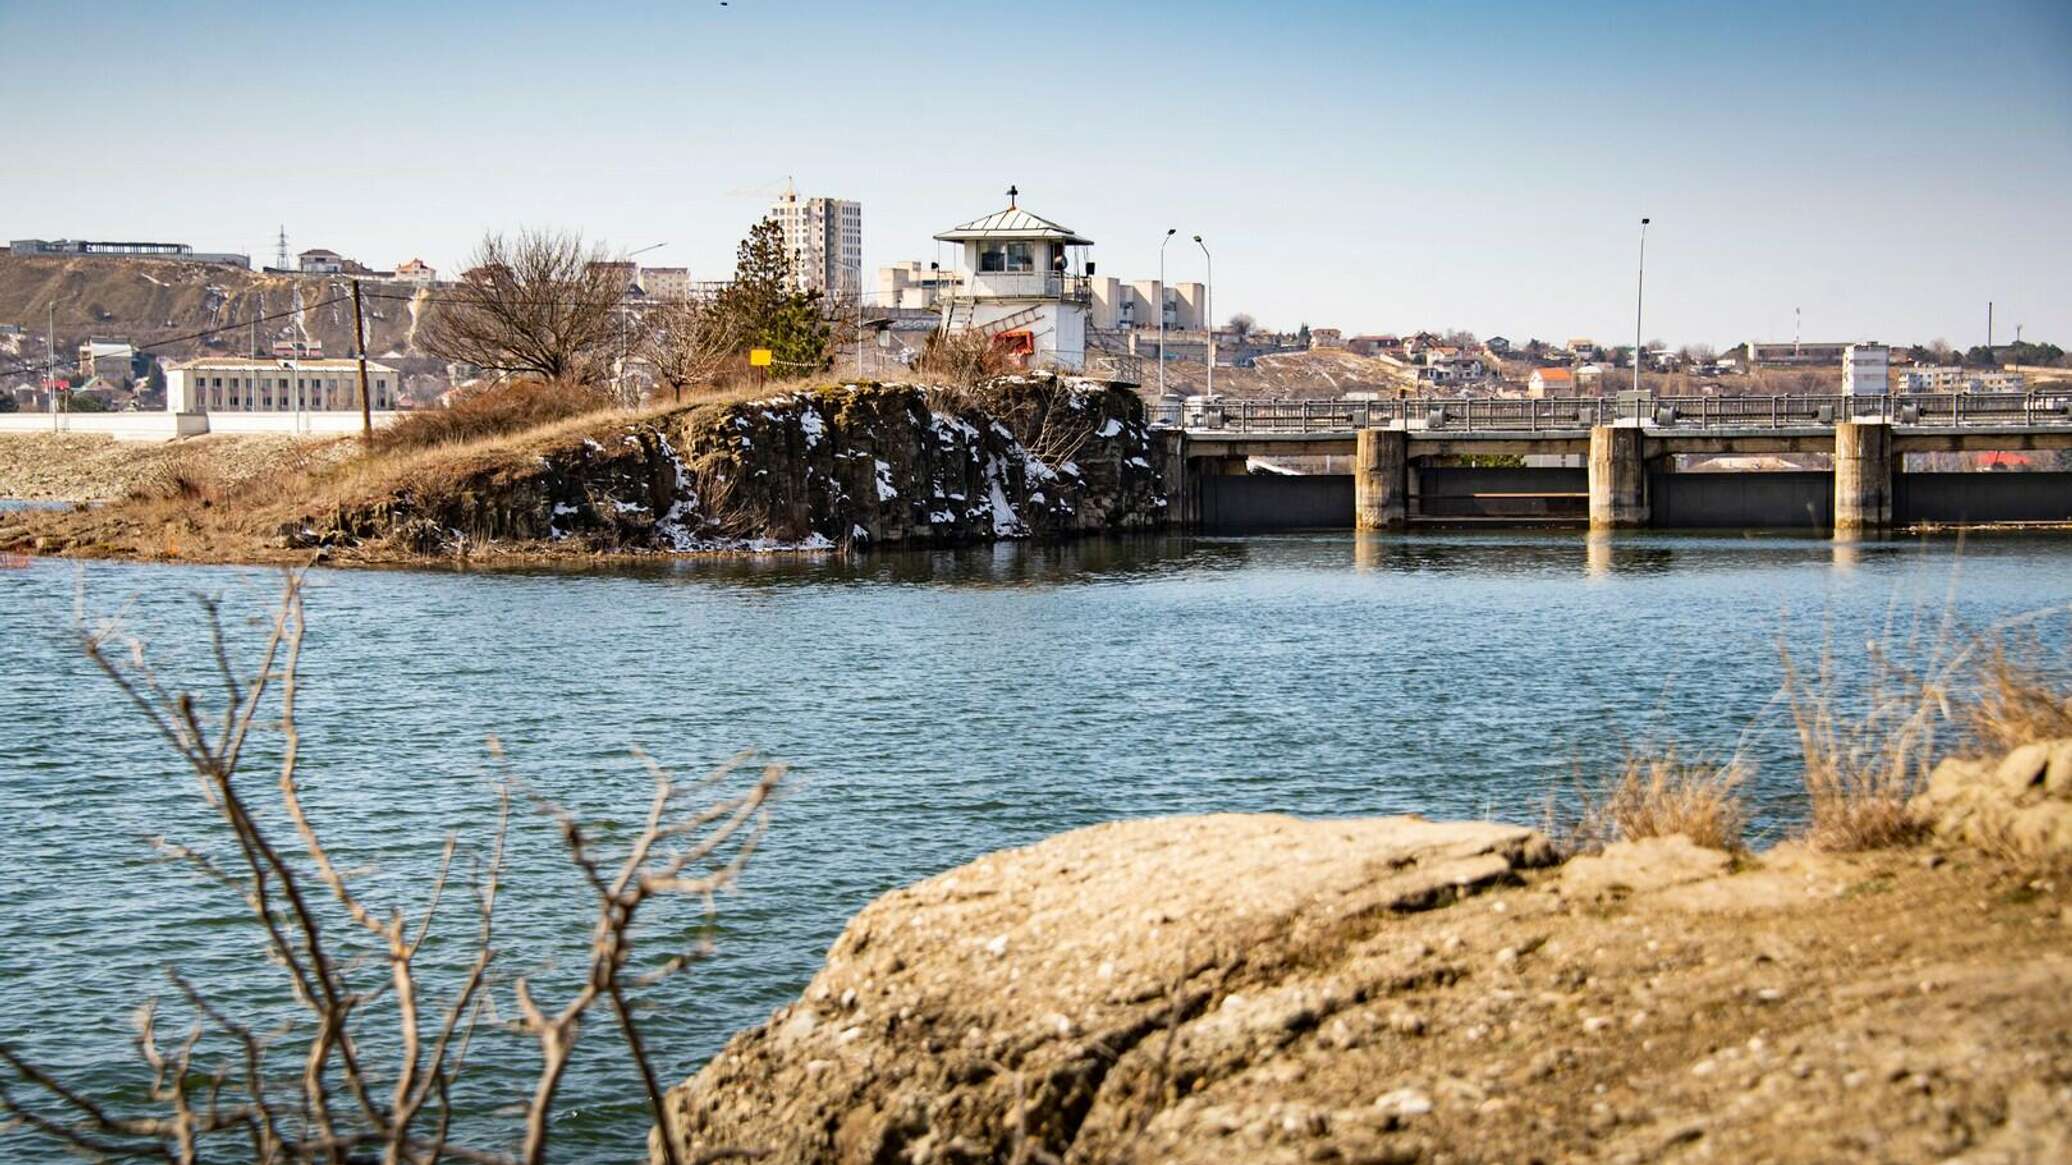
(1266, 989)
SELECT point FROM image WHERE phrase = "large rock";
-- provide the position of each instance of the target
(1054, 998)
(2019, 804)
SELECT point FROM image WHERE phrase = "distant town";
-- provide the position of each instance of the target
(169, 327)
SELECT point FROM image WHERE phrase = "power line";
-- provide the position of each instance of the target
(51, 365)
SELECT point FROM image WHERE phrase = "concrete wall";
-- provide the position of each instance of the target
(1276, 502)
(151, 426)
(1535, 492)
(157, 426)
(1742, 501)
(1982, 497)
(314, 423)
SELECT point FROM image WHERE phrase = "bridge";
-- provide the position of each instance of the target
(1427, 461)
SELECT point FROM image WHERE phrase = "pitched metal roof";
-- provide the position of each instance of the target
(1014, 223)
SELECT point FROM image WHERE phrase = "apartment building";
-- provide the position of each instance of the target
(823, 237)
(228, 384)
(666, 283)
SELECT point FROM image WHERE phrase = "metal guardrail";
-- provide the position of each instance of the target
(1515, 415)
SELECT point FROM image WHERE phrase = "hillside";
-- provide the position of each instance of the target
(149, 303)
(1321, 373)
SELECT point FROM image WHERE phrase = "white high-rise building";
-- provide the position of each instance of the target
(824, 239)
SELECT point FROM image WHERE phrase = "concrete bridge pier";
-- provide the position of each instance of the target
(1381, 479)
(1618, 478)
(1863, 478)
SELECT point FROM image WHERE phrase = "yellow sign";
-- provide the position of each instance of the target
(759, 357)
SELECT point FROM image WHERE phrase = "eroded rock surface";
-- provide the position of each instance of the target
(1249, 988)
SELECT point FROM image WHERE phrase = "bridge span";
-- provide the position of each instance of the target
(1426, 461)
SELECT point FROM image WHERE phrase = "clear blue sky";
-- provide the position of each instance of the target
(1887, 167)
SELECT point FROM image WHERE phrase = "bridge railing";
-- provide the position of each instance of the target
(1556, 414)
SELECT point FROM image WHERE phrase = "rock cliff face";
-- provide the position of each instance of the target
(1262, 989)
(852, 465)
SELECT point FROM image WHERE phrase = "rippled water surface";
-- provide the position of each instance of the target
(934, 707)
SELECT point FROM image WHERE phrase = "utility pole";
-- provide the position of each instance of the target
(1989, 327)
(50, 359)
(360, 345)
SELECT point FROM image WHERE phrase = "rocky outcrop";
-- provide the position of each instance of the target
(848, 465)
(1035, 994)
(2019, 803)
(1262, 989)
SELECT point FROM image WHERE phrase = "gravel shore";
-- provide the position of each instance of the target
(91, 467)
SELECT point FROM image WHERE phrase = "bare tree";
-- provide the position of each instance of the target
(215, 1091)
(541, 303)
(690, 344)
(1241, 325)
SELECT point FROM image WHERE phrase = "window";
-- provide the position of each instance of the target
(1007, 257)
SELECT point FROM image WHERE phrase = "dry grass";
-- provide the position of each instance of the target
(1860, 770)
(1656, 793)
(510, 407)
(2017, 703)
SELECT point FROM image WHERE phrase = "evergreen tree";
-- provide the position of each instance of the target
(767, 311)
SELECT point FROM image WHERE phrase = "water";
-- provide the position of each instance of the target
(934, 707)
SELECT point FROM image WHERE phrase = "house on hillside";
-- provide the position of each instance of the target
(318, 261)
(1546, 382)
(416, 271)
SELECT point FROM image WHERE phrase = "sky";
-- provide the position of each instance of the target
(1885, 168)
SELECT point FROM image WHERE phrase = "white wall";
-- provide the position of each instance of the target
(151, 426)
(157, 426)
(308, 423)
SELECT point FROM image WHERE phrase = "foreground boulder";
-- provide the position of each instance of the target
(1247, 988)
(1031, 996)
(2019, 804)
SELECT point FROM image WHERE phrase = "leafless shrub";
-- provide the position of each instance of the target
(1656, 793)
(1049, 420)
(540, 303)
(963, 358)
(691, 344)
(312, 1091)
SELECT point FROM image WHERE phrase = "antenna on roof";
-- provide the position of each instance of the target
(1012, 194)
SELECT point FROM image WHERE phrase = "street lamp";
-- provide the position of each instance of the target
(619, 378)
(1170, 232)
(1208, 311)
(1639, 288)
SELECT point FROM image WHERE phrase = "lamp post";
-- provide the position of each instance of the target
(1208, 311)
(1160, 306)
(1639, 288)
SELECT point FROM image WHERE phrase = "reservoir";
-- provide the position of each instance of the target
(932, 707)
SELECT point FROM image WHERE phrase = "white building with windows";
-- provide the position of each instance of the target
(219, 384)
(1866, 369)
(1022, 286)
(823, 238)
